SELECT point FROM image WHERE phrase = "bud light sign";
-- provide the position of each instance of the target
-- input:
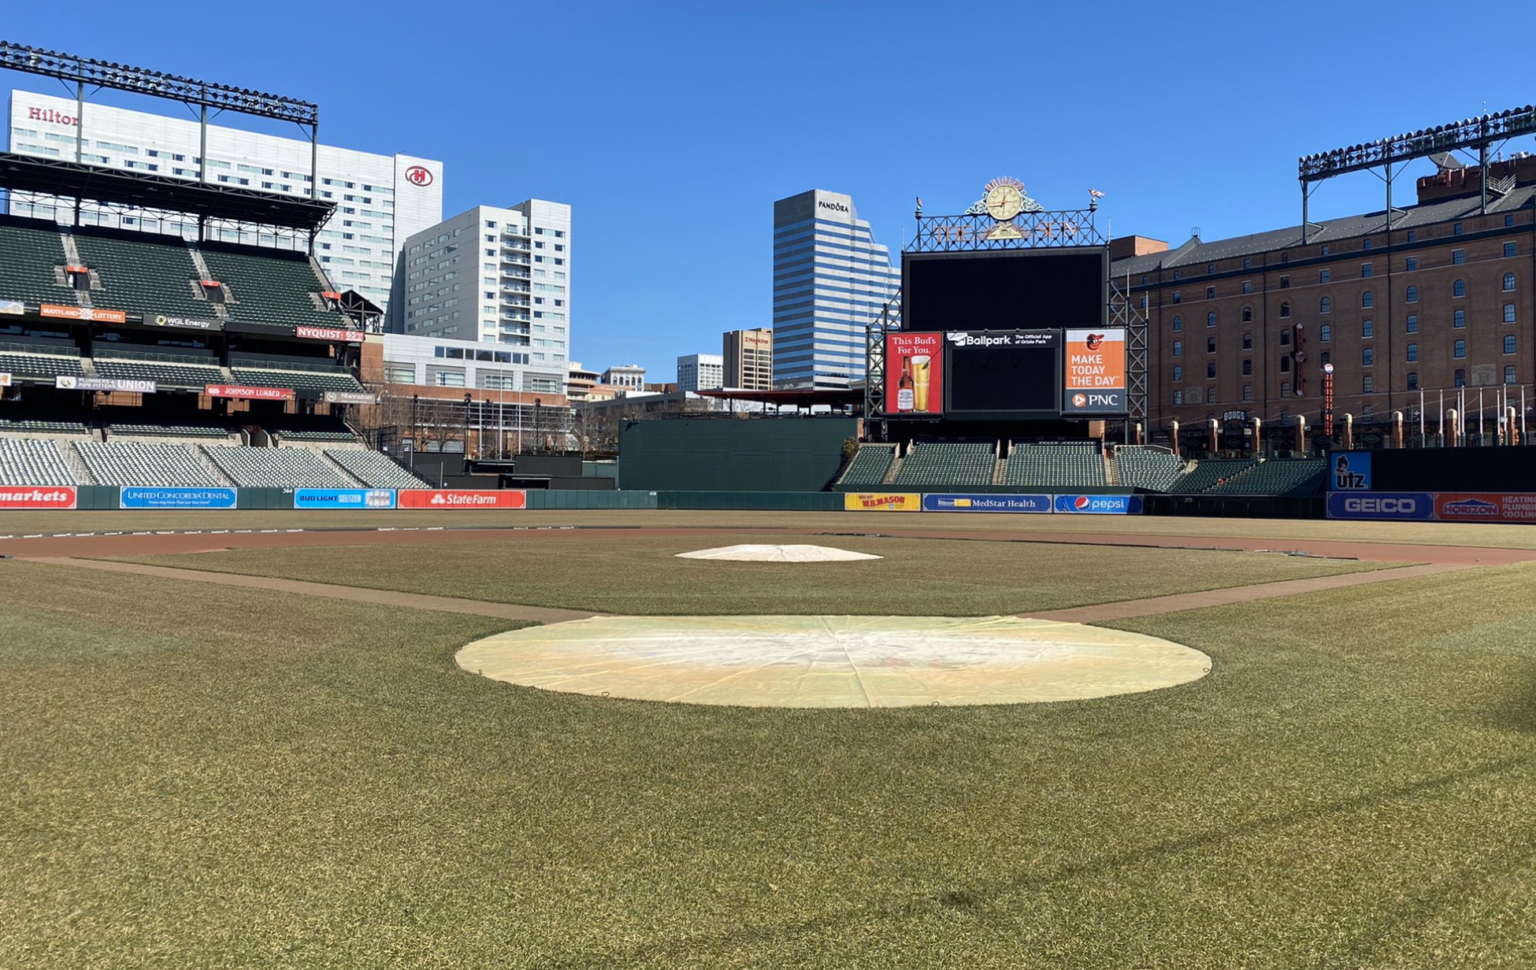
(1099, 504)
(343, 498)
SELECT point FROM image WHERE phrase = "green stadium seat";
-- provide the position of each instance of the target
(1055, 465)
(142, 273)
(373, 469)
(950, 464)
(30, 251)
(269, 286)
(1149, 468)
(870, 466)
(1209, 473)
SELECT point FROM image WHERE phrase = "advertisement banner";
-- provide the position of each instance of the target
(1411, 506)
(141, 497)
(461, 498)
(1485, 506)
(83, 313)
(914, 373)
(343, 498)
(12, 307)
(183, 323)
(882, 502)
(1094, 378)
(37, 497)
(249, 393)
(1351, 471)
(1099, 504)
(5, 379)
(67, 383)
(329, 333)
(987, 503)
(349, 397)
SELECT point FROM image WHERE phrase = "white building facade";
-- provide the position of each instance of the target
(380, 199)
(700, 372)
(830, 278)
(630, 376)
(444, 362)
(492, 275)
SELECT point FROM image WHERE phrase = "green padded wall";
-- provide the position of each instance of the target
(722, 455)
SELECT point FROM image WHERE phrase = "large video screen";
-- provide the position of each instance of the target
(1008, 374)
(1004, 290)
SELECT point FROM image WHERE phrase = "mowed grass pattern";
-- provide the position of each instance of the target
(220, 778)
(635, 573)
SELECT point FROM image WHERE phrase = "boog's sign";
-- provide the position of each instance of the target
(462, 498)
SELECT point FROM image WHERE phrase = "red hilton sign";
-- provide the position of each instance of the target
(49, 115)
(416, 175)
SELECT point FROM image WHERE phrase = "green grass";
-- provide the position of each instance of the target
(638, 573)
(1297, 533)
(218, 778)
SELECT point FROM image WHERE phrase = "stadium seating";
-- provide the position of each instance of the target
(1210, 473)
(306, 379)
(37, 426)
(22, 359)
(271, 287)
(1153, 469)
(1291, 477)
(167, 430)
(138, 463)
(870, 465)
(30, 250)
(170, 370)
(1070, 464)
(33, 461)
(947, 465)
(374, 470)
(142, 272)
(277, 468)
(313, 435)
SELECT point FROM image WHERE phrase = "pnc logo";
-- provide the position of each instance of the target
(1079, 400)
(418, 176)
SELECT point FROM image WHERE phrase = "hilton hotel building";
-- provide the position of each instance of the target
(380, 199)
(1241, 328)
(830, 278)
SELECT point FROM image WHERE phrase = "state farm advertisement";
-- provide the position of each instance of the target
(37, 497)
(461, 498)
(1094, 382)
(1485, 506)
(914, 373)
(249, 393)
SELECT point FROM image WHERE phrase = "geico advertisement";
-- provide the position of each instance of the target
(882, 502)
(1094, 378)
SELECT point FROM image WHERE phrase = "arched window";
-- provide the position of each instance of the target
(1413, 380)
(1459, 349)
(1509, 343)
(1285, 310)
(1247, 314)
(1210, 319)
(1285, 338)
(1285, 365)
(1413, 294)
(1325, 332)
(1509, 282)
(1324, 305)
(1459, 319)
(1413, 353)
(1178, 372)
(1367, 357)
(1459, 288)
(1178, 348)
(1366, 299)
(1509, 374)
(1178, 323)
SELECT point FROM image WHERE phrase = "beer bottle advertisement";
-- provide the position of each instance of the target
(914, 368)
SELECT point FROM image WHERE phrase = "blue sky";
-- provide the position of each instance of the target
(672, 127)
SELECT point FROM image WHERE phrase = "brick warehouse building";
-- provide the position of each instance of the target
(1241, 328)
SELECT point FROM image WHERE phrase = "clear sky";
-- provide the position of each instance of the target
(672, 127)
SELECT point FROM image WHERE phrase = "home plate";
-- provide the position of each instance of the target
(764, 553)
(833, 661)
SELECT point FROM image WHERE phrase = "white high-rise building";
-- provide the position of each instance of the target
(380, 199)
(495, 276)
(830, 278)
(700, 372)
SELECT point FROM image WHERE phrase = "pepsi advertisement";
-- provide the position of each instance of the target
(987, 503)
(1099, 504)
(139, 497)
(343, 498)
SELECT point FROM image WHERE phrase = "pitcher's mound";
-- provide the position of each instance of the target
(833, 661)
(755, 553)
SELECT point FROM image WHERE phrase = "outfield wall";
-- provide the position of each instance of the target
(718, 455)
